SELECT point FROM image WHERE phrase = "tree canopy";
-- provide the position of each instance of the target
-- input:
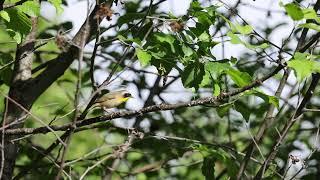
(199, 111)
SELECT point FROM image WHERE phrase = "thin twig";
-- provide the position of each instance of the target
(77, 93)
(289, 124)
(35, 117)
(2, 137)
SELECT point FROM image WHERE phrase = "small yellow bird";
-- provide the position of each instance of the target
(112, 99)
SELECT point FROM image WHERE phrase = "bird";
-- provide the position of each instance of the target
(112, 99)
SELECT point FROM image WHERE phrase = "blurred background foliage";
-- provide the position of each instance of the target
(169, 59)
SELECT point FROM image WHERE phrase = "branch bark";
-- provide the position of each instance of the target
(21, 77)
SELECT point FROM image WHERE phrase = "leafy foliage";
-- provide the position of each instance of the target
(164, 58)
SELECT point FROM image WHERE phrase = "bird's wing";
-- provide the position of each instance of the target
(105, 97)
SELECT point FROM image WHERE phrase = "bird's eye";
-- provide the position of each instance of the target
(127, 95)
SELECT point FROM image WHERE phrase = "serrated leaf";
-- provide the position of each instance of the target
(294, 11)
(143, 57)
(31, 8)
(5, 16)
(239, 78)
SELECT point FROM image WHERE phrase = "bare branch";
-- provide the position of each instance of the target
(215, 101)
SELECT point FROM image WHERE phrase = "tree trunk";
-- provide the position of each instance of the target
(17, 98)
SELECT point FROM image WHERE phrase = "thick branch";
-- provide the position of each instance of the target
(57, 67)
(21, 77)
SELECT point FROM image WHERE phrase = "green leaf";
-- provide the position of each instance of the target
(213, 70)
(303, 68)
(246, 29)
(211, 10)
(57, 4)
(192, 75)
(129, 40)
(216, 68)
(187, 51)
(15, 35)
(224, 109)
(143, 57)
(239, 78)
(294, 11)
(205, 37)
(31, 8)
(304, 65)
(19, 25)
(5, 16)
(268, 99)
(216, 89)
(243, 110)
(158, 55)
(206, 80)
(234, 38)
(301, 56)
(204, 19)
(166, 38)
(310, 26)
(207, 168)
(219, 156)
(196, 6)
(310, 13)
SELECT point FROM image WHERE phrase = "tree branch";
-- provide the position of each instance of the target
(57, 67)
(215, 101)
